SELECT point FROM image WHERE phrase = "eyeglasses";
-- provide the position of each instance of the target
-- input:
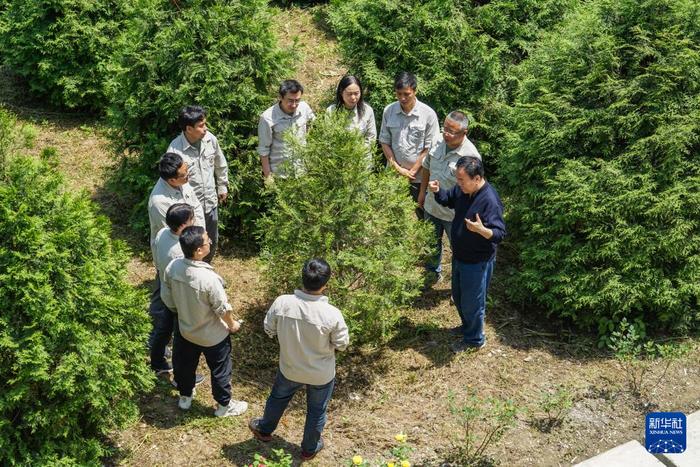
(452, 133)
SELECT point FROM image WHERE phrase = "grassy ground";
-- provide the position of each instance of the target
(400, 387)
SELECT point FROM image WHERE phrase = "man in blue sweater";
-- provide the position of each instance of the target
(477, 228)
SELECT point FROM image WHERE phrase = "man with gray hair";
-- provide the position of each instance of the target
(441, 165)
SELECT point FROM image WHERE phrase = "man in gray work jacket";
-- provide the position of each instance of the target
(208, 169)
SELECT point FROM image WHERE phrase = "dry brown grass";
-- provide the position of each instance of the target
(398, 387)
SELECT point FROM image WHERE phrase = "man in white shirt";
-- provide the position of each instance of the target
(196, 293)
(289, 113)
(309, 330)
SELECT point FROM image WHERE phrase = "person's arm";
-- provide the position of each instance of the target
(166, 293)
(340, 335)
(220, 172)
(444, 197)
(493, 227)
(265, 145)
(218, 302)
(270, 323)
(371, 133)
(423, 187)
(193, 201)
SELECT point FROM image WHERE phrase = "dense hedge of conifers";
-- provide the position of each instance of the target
(72, 330)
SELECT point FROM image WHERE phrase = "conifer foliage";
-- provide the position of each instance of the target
(604, 166)
(72, 331)
(62, 48)
(362, 223)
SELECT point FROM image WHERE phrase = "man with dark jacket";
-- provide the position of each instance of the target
(477, 228)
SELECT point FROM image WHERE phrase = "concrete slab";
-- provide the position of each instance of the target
(691, 456)
(630, 454)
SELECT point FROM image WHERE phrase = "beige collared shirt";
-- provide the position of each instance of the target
(274, 122)
(162, 197)
(442, 164)
(165, 249)
(309, 330)
(207, 167)
(196, 293)
(409, 134)
(366, 125)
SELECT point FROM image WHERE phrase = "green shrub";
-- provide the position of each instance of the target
(62, 47)
(460, 51)
(219, 54)
(362, 223)
(603, 174)
(72, 331)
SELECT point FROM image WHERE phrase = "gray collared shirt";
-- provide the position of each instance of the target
(409, 133)
(162, 197)
(309, 330)
(165, 249)
(196, 293)
(207, 167)
(271, 128)
(366, 125)
(442, 164)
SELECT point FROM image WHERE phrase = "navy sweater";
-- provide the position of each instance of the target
(468, 246)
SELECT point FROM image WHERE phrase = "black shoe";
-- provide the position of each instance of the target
(253, 426)
(461, 346)
(198, 379)
(307, 456)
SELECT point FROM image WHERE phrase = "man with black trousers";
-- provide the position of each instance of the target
(478, 227)
(196, 293)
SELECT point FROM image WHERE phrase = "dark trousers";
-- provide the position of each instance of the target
(186, 358)
(317, 399)
(415, 191)
(162, 319)
(211, 220)
(470, 285)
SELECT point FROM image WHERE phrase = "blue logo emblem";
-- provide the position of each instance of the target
(665, 432)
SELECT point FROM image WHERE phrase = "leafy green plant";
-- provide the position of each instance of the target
(483, 421)
(72, 330)
(553, 407)
(279, 458)
(636, 356)
(362, 223)
(603, 169)
(219, 54)
(62, 47)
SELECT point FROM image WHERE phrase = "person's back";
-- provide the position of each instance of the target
(309, 330)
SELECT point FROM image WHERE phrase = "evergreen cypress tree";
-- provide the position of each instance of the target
(603, 172)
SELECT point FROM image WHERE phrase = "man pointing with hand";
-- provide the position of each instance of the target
(477, 228)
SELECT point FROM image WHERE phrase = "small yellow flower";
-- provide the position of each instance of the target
(401, 438)
(405, 464)
(357, 460)
(390, 464)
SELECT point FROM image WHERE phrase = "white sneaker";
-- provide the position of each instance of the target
(233, 408)
(185, 402)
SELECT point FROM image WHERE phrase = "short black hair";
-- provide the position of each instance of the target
(471, 165)
(290, 85)
(190, 116)
(315, 274)
(405, 80)
(169, 164)
(178, 215)
(191, 238)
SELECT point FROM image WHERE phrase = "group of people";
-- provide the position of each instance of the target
(189, 304)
